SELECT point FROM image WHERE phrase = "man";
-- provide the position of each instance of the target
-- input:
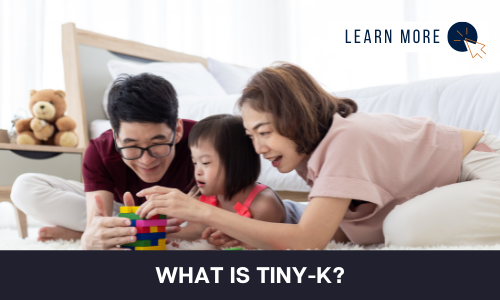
(147, 146)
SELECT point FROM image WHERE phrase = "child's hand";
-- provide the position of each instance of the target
(172, 203)
(217, 238)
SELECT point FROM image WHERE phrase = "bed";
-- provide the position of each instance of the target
(88, 61)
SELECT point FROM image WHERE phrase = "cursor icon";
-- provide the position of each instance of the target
(474, 47)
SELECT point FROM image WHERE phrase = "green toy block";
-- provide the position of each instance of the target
(141, 243)
(234, 249)
(130, 216)
(161, 217)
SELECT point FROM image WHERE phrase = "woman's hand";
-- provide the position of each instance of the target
(173, 203)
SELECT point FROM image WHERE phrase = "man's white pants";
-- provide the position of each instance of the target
(53, 200)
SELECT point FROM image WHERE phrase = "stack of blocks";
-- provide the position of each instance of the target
(150, 232)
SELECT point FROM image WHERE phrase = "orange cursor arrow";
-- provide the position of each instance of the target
(474, 47)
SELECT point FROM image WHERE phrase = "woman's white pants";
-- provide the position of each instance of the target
(464, 213)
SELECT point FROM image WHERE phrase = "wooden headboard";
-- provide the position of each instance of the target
(85, 55)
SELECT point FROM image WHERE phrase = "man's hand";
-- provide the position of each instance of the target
(105, 233)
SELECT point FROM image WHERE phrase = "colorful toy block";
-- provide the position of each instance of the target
(143, 229)
(150, 232)
(150, 236)
(145, 243)
(130, 216)
(151, 248)
(151, 223)
(152, 229)
(141, 243)
(126, 209)
(234, 249)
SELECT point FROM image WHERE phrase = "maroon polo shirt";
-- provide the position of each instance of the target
(104, 169)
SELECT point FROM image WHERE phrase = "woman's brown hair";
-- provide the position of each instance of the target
(302, 110)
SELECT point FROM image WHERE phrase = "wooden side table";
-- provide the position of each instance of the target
(21, 222)
(51, 160)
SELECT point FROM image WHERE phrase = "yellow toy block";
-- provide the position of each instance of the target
(151, 248)
(153, 229)
(128, 209)
(161, 242)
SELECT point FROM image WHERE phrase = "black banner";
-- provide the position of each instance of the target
(250, 274)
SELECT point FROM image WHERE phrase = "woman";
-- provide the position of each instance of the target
(374, 177)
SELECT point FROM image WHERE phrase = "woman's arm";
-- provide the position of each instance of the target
(316, 228)
(266, 207)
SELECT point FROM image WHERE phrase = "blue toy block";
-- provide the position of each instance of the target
(151, 236)
(132, 223)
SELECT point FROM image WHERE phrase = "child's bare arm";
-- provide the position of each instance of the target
(221, 240)
(190, 232)
(266, 207)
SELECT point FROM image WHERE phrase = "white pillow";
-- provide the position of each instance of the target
(187, 78)
(197, 108)
(105, 98)
(232, 78)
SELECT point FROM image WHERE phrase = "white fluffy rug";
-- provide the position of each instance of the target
(10, 240)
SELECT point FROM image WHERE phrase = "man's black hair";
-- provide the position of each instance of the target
(143, 98)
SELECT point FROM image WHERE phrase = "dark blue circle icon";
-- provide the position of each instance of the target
(458, 33)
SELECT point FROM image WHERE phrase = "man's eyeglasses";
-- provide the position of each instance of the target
(157, 150)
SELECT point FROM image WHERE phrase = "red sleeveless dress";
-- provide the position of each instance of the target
(241, 209)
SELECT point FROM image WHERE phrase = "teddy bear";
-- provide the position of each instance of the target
(49, 126)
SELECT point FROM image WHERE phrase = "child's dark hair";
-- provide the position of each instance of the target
(143, 98)
(236, 152)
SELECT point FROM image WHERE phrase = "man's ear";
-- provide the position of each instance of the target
(179, 132)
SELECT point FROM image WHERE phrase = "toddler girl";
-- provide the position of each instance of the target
(226, 171)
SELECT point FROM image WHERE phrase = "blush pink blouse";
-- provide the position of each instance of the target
(383, 160)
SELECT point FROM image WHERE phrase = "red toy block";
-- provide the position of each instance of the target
(151, 223)
(156, 217)
(143, 230)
